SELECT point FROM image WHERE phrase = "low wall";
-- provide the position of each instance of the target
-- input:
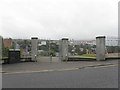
(47, 59)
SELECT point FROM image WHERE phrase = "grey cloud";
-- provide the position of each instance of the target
(78, 19)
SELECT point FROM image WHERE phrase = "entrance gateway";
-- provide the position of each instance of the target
(63, 48)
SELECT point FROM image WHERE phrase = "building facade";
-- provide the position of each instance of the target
(7, 43)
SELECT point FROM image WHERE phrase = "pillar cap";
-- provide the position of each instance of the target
(34, 37)
(100, 37)
(64, 38)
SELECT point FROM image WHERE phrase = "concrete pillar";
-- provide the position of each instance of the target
(1, 45)
(60, 49)
(34, 49)
(118, 43)
(64, 49)
(100, 48)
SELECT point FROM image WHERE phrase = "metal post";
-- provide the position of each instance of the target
(50, 58)
(66, 58)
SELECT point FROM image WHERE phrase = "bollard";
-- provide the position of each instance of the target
(50, 58)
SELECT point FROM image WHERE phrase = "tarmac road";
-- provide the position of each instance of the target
(91, 77)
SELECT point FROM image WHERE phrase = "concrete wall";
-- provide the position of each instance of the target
(34, 50)
(100, 48)
(64, 49)
(47, 59)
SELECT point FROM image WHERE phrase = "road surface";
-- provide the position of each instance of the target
(91, 77)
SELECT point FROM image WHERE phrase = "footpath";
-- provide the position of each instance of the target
(31, 67)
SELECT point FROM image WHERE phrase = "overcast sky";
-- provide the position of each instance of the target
(54, 19)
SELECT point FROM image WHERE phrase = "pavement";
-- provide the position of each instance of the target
(45, 65)
(89, 77)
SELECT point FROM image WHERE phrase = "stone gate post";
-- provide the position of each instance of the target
(64, 49)
(100, 48)
(34, 49)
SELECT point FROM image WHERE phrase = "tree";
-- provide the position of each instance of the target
(77, 49)
(5, 52)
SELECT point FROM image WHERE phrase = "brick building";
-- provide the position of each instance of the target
(7, 42)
